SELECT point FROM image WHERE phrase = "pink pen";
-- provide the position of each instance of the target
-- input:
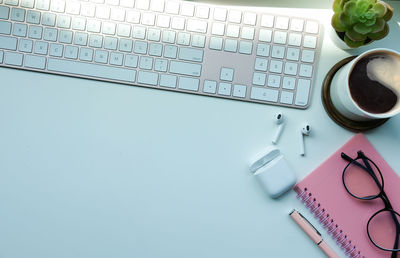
(309, 229)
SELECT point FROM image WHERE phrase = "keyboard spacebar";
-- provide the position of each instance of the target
(92, 70)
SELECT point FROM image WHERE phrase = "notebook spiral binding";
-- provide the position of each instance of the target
(328, 223)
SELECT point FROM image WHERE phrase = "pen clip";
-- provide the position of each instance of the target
(309, 223)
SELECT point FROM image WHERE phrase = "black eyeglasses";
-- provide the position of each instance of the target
(363, 180)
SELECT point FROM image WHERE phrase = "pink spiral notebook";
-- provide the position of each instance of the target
(343, 216)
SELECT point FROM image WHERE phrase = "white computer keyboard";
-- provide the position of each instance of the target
(173, 45)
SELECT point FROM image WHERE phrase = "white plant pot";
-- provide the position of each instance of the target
(341, 96)
(338, 41)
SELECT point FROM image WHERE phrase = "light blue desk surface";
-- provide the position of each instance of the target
(94, 169)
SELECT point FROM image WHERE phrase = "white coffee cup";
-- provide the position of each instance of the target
(386, 72)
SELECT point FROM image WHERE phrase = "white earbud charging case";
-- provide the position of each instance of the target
(273, 172)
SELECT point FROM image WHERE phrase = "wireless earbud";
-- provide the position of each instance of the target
(305, 130)
(281, 123)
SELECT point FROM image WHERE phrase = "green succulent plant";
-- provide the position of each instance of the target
(359, 22)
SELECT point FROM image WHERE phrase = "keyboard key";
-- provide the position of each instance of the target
(148, 19)
(138, 32)
(230, 45)
(133, 17)
(50, 34)
(125, 45)
(18, 14)
(43, 5)
(131, 61)
(247, 33)
(293, 54)
(216, 43)
(57, 6)
(38, 62)
(263, 49)
(286, 97)
(220, 14)
(163, 21)
(267, 21)
(33, 17)
(65, 36)
(278, 51)
(146, 63)
(4, 12)
(101, 56)
(224, 89)
(198, 41)
(312, 27)
(280, 37)
(202, 12)
(233, 31)
(71, 52)
(307, 56)
(210, 86)
(183, 39)
(157, 5)
(35, 32)
(185, 68)
(161, 65)
(264, 94)
(274, 81)
(168, 81)
(168, 36)
(1, 56)
(235, 16)
(11, 58)
(191, 54)
(261, 64)
(86, 54)
(56, 50)
(290, 68)
(297, 24)
(289, 83)
(91, 70)
(172, 7)
(41, 48)
(140, 47)
(5, 27)
(155, 49)
(250, 18)
(49, 19)
(259, 78)
(226, 74)
(80, 38)
(93, 26)
(218, 29)
(265, 35)
(153, 34)
(170, 51)
(187, 9)
(239, 90)
(245, 47)
(63, 21)
(302, 92)
(143, 4)
(149, 78)
(11, 2)
(305, 70)
(282, 23)
(178, 23)
(295, 39)
(275, 66)
(8, 43)
(310, 41)
(25, 45)
(196, 26)
(190, 84)
(19, 29)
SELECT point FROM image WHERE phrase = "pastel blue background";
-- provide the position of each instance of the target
(94, 169)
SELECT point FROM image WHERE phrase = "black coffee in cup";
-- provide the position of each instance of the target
(372, 80)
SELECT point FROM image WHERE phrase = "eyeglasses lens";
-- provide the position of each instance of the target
(382, 229)
(362, 181)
